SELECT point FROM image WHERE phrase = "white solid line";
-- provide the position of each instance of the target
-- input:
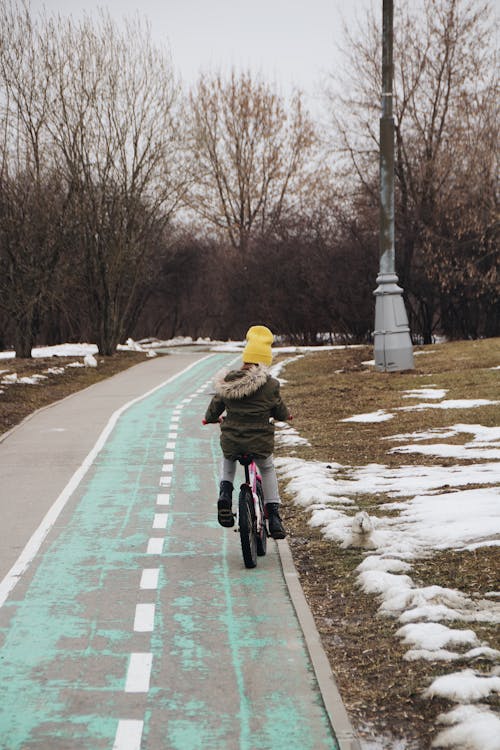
(168, 456)
(163, 499)
(35, 542)
(149, 578)
(138, 673)
(128, 735)
(160, 521)
(167, 468)
(144, 620)
(155, 546)
(165, 481)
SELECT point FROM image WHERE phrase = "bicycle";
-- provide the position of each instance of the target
(251, 520)
(251, 513)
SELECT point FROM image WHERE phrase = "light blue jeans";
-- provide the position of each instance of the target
(267, 473)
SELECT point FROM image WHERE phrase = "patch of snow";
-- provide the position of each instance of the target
(276, 369)
(31, 379)
(483, 436)
(89, 360)
(132, 345)
(472, 728)
(387, 564)
(482, 652)
(381, 742)
(432, 636)
(447, 450)
(362, 523)
(463, 687)
(288, 435)
(457, 403)
(381, 415)
(387, 584)
(65, 350)
(423, 392)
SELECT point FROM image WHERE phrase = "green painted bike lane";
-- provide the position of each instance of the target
(137, 625)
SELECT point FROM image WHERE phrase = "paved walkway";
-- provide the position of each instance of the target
(127, 618)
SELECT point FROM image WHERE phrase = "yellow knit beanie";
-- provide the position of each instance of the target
(258, 348)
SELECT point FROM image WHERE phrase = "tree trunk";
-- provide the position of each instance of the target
(24, 338)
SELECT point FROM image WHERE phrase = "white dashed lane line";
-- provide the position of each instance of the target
(129, 731)
(128, 735)
(149, 578)
(144, 618)
(139, 673)
(160, 521)
(155, 546)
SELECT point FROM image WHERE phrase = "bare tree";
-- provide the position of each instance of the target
(445, 102)
(250, 154)
(33, 203)
(113, 122)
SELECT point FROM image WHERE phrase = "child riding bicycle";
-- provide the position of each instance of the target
(251, 398)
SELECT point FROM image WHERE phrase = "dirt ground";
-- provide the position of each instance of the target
(383, 692)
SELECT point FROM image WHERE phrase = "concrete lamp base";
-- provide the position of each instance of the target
(392, 343)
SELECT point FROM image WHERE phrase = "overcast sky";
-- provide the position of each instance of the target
(287, 41)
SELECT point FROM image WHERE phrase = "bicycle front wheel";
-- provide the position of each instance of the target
(248, 535)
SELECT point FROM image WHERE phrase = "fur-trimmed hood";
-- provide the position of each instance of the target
(237, 384)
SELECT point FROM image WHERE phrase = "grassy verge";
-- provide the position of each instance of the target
(381, 690)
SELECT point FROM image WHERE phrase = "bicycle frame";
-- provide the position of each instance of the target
(251, 519)
(251, 477)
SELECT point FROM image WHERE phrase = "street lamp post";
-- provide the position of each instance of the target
(392, 342)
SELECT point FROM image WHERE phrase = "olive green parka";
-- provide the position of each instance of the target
(250, 397)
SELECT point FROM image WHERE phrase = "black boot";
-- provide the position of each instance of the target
(224, 505)
(274, 521)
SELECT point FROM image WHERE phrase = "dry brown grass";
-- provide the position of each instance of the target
(382, 692)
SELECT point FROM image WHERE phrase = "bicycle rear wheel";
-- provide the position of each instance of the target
(248, 532)
(262, 537)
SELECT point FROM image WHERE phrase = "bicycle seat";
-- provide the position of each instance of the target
(245, 459)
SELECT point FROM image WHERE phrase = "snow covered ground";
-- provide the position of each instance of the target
(437, 508)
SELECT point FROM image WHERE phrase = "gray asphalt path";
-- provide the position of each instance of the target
(39, 457)
(129, 621)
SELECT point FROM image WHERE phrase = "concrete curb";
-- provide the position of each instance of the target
(339, 719)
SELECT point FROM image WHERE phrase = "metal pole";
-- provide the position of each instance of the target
(392, 342)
